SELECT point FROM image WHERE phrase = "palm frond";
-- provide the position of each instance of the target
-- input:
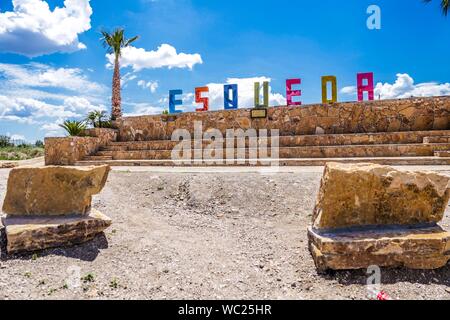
(130, 41)
(445, 6)
(74, 128)
(114, 41)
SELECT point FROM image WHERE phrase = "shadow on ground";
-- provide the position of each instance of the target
(392, 276)
(87, 251)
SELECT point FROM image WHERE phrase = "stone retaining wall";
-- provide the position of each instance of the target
(414, 114)
(68, 150)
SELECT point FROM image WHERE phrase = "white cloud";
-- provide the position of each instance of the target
(51, 126)
(26, 110)
(128, 77)
(16, 136)
(140, 109)
(44, 76)
(245, 93)
(404, 87)
(32, 29)
(31, 111)
(81, 105)
(348, 90)
(164, 56)
(152, 85)
(53, 129)
(27, 95)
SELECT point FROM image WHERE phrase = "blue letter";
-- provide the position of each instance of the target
(230, 104)
(173, 101)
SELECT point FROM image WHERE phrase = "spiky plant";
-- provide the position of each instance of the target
(114, 42)
(445, 5)
(74, 128)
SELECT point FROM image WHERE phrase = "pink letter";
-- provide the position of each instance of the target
(361, 87)
(292, 93)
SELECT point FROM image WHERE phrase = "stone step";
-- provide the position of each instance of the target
(391, 150)
(98, 158)
(408, 137)
(442, 154)
(436, 139)
(411, 161)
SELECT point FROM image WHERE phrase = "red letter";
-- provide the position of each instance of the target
(361, 87)
(292, 93)
(199, 99)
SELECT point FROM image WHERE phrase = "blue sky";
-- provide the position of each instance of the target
(53, 67)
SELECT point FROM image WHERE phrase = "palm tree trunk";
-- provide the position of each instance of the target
(116, 112)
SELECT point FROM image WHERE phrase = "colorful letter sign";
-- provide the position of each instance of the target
(200, 99)
(265, 93)
(293, 93)
(325, 81)
(233, 102)
(365, 87)
(365, 83)
(173, 102)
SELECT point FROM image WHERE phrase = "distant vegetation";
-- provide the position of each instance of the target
(9, 150)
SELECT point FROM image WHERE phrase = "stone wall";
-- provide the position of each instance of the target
(414, 114)
(68, 150)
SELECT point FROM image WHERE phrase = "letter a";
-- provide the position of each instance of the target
(365, 87)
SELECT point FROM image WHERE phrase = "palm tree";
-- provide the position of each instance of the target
(115, 41)
(445, 5)
(95, 118)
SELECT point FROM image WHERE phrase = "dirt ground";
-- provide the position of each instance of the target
(202, 236)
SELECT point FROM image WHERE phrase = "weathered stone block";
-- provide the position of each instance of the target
(53, 191)
(368, 214)
(26, 234)
(368, 194)
(415, 248)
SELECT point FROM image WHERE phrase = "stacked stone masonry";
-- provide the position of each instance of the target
(415, 114)
(416, 127)
(69, 150)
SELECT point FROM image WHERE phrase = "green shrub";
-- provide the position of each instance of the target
(74, 128)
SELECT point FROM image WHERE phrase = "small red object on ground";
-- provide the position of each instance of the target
(382, 296)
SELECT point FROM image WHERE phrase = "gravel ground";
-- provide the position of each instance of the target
(202, 236)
